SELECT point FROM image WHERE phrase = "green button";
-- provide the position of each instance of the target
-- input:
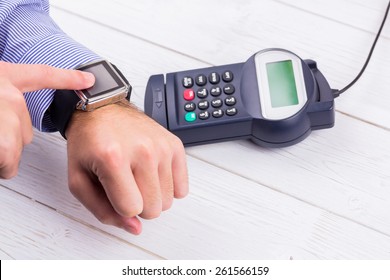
(190, 117)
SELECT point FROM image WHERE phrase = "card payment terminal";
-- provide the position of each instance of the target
(275, 99)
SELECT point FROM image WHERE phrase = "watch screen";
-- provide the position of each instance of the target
(106, 79)
(103, 80)
(281, 81)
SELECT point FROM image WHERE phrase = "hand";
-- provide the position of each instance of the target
(15, 122)
(123, 164)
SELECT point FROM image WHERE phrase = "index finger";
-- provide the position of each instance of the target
(30, 77)
(120, 187)
(180, 173)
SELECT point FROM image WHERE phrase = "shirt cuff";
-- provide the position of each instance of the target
(56, 50)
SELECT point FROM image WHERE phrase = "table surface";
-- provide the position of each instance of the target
(327, 197)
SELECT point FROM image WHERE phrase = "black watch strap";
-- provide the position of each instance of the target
(64, 104)
(62, 109)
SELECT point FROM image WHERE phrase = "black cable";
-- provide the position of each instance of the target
(338, 92)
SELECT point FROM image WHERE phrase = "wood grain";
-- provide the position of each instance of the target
(31, 230)
(225, 217)
(327, 197)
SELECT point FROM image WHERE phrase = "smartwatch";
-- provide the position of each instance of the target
(110, 87)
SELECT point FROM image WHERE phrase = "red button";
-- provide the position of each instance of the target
(189, 94)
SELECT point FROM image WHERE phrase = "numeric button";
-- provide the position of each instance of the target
(215, 91)
(218, 113)
(204, 115)
(214, 78)
(190, 106)
(203, 105)
(188, 82)
(227, 76)
(216, 103)
(230, 101)
(202, 93)
(229, 89)
(231, 111)
(201, 80)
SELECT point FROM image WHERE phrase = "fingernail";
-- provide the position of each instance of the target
(131, 230)
(89, 78)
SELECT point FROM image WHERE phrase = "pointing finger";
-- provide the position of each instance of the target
(30, 77)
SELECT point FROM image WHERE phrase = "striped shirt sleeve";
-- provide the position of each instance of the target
(28, 35)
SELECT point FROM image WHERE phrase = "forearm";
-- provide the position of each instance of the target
(28, 35)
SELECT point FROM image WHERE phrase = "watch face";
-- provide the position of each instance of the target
(106, 79)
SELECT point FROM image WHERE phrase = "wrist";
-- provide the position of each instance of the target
(110, 87)
(81, 120)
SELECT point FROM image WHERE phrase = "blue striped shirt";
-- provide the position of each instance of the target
(28, 35)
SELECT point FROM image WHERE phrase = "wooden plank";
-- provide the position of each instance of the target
(329, 170)
(231, 31)
(357, 13)
(225, 217)
(4, 256)
(30, 230)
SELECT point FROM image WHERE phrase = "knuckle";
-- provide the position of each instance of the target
(147, 152)
(16, 99)
(151, 214)
(74, 184)
(9, 152)
(153, 207)
(131, 213)
(9, 173)
(19, 98)
(110, 155)
(29, 137)
(177, 145)
(5, 150)
(167, 203)
(176, 141)
(128, 208)
(181, 193)
(8, 162)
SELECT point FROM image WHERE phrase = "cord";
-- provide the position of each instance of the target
(337, 93)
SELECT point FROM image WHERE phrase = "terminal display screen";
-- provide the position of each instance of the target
(281, 81)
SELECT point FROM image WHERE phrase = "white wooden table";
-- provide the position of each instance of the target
(327, 197)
